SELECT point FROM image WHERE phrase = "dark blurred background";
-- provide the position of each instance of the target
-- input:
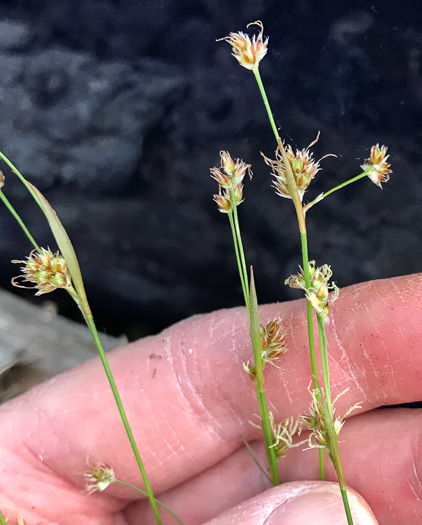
(116, 110)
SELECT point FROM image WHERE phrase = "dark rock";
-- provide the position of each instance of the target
(117, 110)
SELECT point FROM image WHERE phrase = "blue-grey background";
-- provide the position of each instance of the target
(116, 110)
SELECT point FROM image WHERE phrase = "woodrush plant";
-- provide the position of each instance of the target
(47, 271)
(293, 173)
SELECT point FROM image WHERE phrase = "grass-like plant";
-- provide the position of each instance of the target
(45, 271)
(293, 173)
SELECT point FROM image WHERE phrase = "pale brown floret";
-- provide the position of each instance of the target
(303, 166)
(46, 270)
(377, 165)
(247, 52)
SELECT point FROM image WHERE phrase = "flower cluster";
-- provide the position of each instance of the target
(247, 52)
(99, 477)
(318, 293)
(230, 181)
(303, 166)
(47, 270)
(377, 165)
(283, 434)
(273, 345)
(316, 421)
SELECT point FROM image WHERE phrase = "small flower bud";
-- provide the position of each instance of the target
(223, 201)
(227, 163)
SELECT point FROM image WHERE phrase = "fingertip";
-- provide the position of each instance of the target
(299, 503)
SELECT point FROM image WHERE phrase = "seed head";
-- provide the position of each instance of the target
(377, 165)
(316, 422)
(321, 294)
(229, 177)
(304, 169)
(273, 341)
(247, 52)
(46, 270)
(1, 179)
(283, 434)
(99, 477)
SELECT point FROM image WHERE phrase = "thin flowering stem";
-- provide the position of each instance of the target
(291, 183)
(240, 253)
(311, 339)
(256, 341)
(153, 502)
(238, 260)
(324, 195)
(324, 358)
(22, 178)
(12, 210)
(335, 457)
(162, 505)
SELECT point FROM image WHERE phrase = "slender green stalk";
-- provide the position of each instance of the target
(2, 519)
(291, 183)
(93, 329)
(309, 316)
(323, 195)
(290, 179)
(334, 454)
(22, 178)
(162, 505)
(255, 331)
(12, 210)
(256, 340)
(238, 248)
(324, 358)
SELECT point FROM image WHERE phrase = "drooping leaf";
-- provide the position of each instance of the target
(64, 245)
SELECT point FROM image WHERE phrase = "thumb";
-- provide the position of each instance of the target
(299, 503)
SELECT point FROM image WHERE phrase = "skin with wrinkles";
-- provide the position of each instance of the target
(190, 411)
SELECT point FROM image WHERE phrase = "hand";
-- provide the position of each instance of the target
(190, 402)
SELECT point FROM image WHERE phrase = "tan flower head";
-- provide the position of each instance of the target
(321, 294)
(304, 169)
(377, 165)
(99, 477)
(229, 177)
(247, 52)
(1, 180)
(316, 422)
(46, 270)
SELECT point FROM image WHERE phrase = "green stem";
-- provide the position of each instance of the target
(256, 341)
(309, 316)
(12, 210)
(2, 519)
(323, 195)
(335, 457)
(324, 358)
(22, 178)
(238, 248)
(93, 329)
(290, 178)
(163, 505)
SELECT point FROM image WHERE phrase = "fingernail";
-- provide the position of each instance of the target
(319, 506)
